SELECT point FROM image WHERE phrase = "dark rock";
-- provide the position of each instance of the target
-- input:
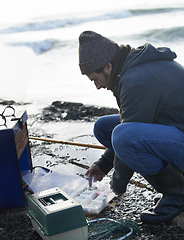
(74, 111)
(7, 102)
(12, 102)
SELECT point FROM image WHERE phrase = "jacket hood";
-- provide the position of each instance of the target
(146, 53)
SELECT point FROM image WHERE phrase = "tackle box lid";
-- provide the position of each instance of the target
(55, 212)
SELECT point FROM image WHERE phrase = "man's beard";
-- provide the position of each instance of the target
(108, 78)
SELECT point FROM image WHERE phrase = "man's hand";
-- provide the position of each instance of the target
(94, 173)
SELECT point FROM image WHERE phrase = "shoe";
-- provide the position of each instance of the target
(169, 182)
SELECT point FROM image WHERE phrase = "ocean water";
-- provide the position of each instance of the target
(39, 44)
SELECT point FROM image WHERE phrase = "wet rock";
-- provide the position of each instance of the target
(11, 102)
(7, 102)
(74, 111)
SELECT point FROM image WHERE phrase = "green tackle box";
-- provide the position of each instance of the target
(55, 215)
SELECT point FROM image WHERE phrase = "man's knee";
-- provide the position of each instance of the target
(98, 126)
(124, 133)
(105, 124)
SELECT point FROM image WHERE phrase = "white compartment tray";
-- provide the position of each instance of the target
(96, 198)
(93, 200)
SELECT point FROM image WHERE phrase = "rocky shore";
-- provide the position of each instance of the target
(14, 223)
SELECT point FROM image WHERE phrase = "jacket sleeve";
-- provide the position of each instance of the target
(139, 96)
(105, 163)
(121, 176)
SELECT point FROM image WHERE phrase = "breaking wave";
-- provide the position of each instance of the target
(40, 47)
(155, 10)
(166, 34)
(64, 22)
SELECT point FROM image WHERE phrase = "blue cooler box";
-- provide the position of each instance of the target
(15, 158)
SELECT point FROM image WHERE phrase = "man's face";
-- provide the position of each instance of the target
(103, 79)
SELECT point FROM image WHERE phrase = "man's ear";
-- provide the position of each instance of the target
(109, 67)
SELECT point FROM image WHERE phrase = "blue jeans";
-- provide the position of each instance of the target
(145, 148)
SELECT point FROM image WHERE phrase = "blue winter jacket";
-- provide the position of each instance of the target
(151, 87)
(150, 90)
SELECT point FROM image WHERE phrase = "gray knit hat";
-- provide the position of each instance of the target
(95, 51)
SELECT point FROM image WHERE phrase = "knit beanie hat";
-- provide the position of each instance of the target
(95, 51)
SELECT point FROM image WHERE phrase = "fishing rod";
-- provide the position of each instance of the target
(67, 142)
(138, 184)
